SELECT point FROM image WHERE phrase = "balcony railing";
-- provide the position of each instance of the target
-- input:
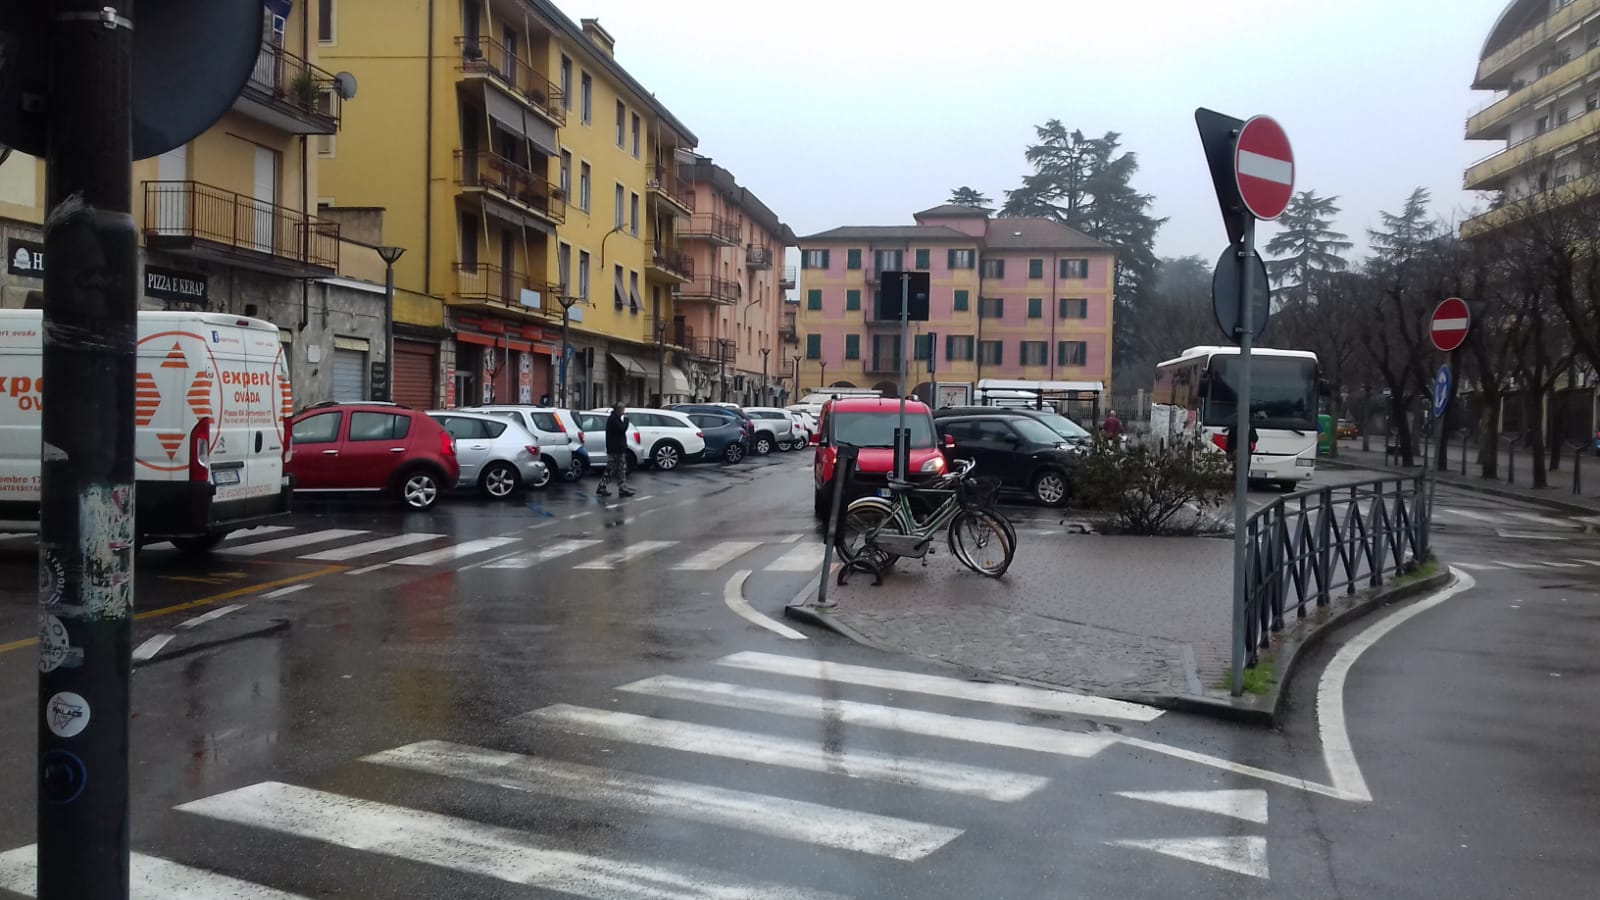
(1554, 198)
(787, 331)
(672, 262)
(716, 349)
(290, 86)
(1531, 95)
(180, 215)
(882, 365)
(664, 183)
(787, 283)
(1559, 21)
(511, 180)
(758, 257)
(482, 55)
(708, 227)
(1483, 174)
(708, 287)
(485, 283)
(672, 332)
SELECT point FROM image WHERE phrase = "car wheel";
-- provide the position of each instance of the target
(763, 445)
(201, 545)
(633, 461)
(543, 481)
(1050, 487)
(499, 480)
(735, 453)
(419, 489)
(783, 446)
(667, 456)
(570, 473)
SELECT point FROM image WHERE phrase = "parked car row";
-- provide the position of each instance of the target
(499, 450)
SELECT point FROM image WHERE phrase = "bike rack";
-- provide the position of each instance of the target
(843, 479)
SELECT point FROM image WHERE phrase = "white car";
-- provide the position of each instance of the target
(556, 429)
(668, 438)
(775, 429)
(592, 425)
(806, 421)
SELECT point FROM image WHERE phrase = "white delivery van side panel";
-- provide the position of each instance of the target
(21, 361)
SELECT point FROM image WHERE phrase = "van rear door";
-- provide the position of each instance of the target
(264, 398)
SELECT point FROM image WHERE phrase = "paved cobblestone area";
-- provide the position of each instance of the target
(1119, 616)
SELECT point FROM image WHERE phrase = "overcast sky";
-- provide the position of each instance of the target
(862, 112)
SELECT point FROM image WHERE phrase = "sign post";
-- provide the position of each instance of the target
(912, 289)
(1252, 168)
(1448, 327)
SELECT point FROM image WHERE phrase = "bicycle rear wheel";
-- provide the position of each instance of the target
(982, 541)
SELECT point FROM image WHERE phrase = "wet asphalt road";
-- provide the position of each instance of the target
(492, 705)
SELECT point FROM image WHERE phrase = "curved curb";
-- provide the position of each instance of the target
(1562, 506)
(188, 648)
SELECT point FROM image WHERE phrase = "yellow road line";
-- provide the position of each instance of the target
(204, 601)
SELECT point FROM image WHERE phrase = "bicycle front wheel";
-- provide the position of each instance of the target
(861, 527)
(983, 543)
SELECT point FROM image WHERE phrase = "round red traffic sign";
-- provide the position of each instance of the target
(1451, 319)
(1263, 166)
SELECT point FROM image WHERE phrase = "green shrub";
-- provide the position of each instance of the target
(1151, 490)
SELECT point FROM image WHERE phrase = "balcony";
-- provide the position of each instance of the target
(486, 285)
(673, 332)
(485, 58)
(187, 218)
(1555, 198)
(708, 287)
(1492, 121)
(665, 186)
(882, 365)
(290, 94)
(758, 257)
(787, 282)
(670, 264)
(787, 331)
(1497, 66)
(1490, 172)
(725, 350)
(707, 227)
(512, 182)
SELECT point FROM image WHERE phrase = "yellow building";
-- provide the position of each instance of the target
(226, 221)
(524, 171)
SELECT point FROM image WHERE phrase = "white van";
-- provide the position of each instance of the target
(211, 404)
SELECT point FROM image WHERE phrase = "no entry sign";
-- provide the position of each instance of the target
(1263, 165)
(1451, 319)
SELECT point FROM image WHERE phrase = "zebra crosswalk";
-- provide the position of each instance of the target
(1508, 518)
(921, 801)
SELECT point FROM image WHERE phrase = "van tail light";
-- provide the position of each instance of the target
(288, 442)
(200, 451)
(447, 444)
(699, 434)
(638, 438)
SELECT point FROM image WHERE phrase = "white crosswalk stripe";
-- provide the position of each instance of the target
(455, 551)
(803, 558)
(628, 554)
(1534, 517)
(709, 740)
(150, 877)
(258, 531)
(716, 556)
(542, 555)
(370, 548)
(796, 820)
(461, 845)
(291, 542)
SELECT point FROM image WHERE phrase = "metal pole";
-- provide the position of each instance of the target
(388, 328)
(566, 349)
(764, 393)
(661, 364)
(1240, 448)
(86, 521)
(902, 439)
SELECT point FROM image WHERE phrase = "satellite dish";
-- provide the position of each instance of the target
(344, 84)
(191, 60)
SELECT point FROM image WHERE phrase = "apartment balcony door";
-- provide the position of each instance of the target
(266, 200)
(172, 210)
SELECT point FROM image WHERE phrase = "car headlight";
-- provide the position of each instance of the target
(935, 465)
(1304, 463)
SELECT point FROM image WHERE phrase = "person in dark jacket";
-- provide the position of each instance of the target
(616, 454)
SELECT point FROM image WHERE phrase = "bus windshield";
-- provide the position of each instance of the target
(1283, 392)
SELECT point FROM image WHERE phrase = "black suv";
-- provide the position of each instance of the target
(1017, 448)
(1070, 431)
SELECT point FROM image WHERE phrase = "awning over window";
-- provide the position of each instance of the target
(516, 120)
(677, 381)
(633, 365)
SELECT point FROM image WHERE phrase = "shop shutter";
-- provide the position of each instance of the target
(349, 376)
(415, 374)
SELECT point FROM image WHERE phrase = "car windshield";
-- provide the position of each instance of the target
(1036, 431)
(876, 429)
(1064, 426)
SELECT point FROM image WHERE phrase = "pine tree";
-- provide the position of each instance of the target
(1307, 245)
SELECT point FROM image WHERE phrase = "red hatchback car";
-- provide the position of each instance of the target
(869, 423)
(377, 447)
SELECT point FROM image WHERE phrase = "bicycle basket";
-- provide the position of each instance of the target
(978, 493)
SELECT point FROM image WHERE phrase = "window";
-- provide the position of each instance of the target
(922, 259)
(1074, 268)
(583, 274)
(1035, 353)
(852, 300)
(991, 308)
(813, 299)
(371, 426)
(1073, 353)
(325, 16)
(322, 428)
(888, 260)
(635, 135)
(564, 267)
(991, 352)
(617, 205)
(469, 241)
(852, 258)
(1074, 309)
(961, 259)
(961, 301)
(1592, 102)
(622, 122)
(464, 429)
(1035, 307)
(585, 182)
(994, 268)
(922, 346)
(566, 82)
(813, 346)
(566, 173)
(1561, 116)
(617, 288)
(958, 347)
(633, 214)
(634, 304)
(1035, 268)
(586, 88)
(852, 346)
(814, 259)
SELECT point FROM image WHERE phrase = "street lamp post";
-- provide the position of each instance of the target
(661, 362)
(797, 358)
(765, 351)
(390, 256)
(566, 345)
(822, 375)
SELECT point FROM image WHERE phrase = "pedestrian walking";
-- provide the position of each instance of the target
(1112, 426)
(616, 455)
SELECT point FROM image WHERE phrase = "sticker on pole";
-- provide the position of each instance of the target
(1441, 390)
(1263, 165)
(1450, 322)
(66, 715)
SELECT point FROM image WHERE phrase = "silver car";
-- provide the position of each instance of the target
(556, 429)
(497, 455)
(776, 429)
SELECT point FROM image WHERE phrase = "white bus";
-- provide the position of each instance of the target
(1195, 396)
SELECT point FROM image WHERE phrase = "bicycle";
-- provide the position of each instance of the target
(890, 529)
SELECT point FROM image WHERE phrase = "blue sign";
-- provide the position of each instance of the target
(1441, 390)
